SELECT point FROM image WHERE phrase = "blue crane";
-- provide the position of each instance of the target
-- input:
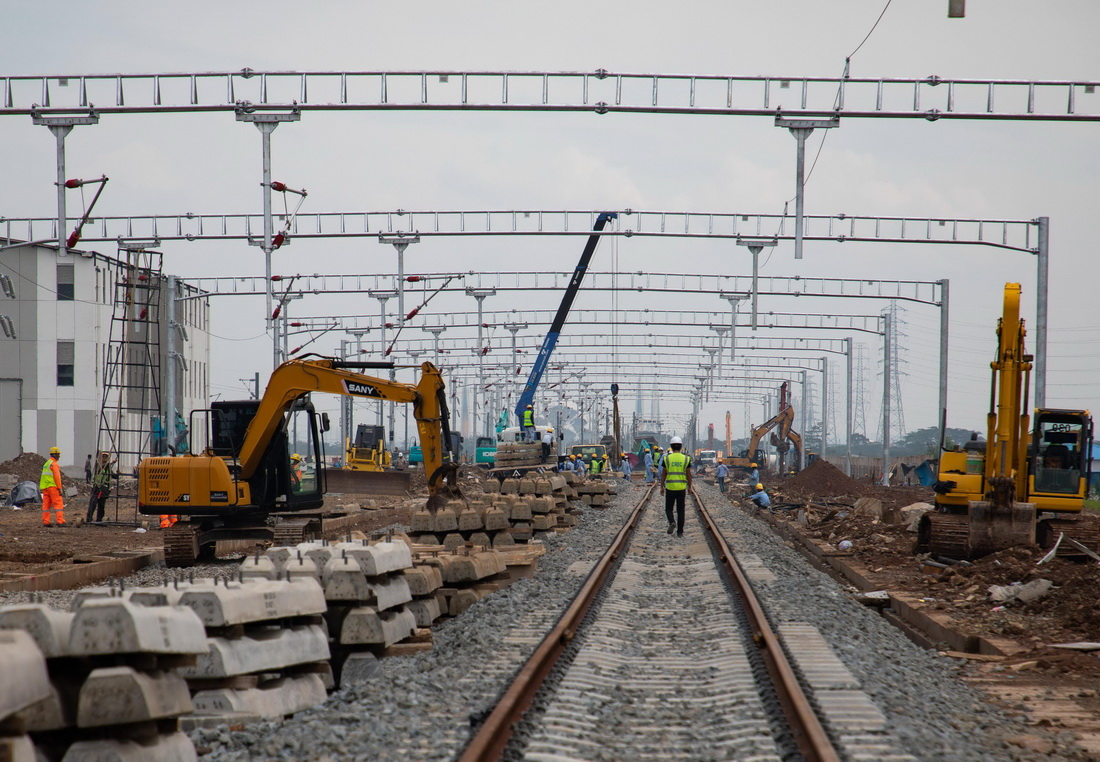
(567, 298)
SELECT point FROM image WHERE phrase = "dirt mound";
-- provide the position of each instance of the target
(823, 479)
(27, 467)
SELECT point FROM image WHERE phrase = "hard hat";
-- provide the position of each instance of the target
(760, 486)
(54, 451)
(606, 456)
(572, 457)
(530, 406)
(753, 465)
(295, 456)
(676, 440)
(549, 428)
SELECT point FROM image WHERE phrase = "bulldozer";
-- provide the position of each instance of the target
(244, 484)
(366, 466)
(1026, 483)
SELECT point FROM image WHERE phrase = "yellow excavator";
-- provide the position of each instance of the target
(244, 483)
(783, 438)
(1027, 482)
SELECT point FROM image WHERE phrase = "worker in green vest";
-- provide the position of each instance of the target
(49, 484)
(675, 478)
(529, 424)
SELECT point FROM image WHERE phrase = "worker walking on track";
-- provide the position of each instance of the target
(626, 467)
(675, 476)
(529, 424)
(50, 486)
(648, 466)
(720, 474)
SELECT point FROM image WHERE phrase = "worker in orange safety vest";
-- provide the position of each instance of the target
(50, 486)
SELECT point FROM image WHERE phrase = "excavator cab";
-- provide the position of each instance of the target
(1059, 470)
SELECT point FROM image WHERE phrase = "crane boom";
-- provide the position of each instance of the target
(567, 298)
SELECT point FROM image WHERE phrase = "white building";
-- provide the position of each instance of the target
(56, 316)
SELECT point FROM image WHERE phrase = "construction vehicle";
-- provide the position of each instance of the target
(527, 396)
(1027, 481)
(367, 452)
(242, 485)
(783, 438)
(587, 452)
(366, 461)
(706, 458)
(485, 451)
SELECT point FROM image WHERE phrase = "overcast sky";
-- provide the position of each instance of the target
(448, 160)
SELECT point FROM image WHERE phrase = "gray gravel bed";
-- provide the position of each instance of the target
(930, 711)
(151, 576)
(422, 707)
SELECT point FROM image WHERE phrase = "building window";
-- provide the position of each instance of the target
(66, 351)
(66, 290)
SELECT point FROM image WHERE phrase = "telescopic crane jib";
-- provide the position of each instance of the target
(551, 340)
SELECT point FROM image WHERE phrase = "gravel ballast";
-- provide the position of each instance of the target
(931, 713)
(422, 707)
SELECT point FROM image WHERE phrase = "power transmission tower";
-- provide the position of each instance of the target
(859, 411)
(897, 413)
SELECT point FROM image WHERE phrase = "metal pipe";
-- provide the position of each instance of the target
(886, 350)
(800, 186)
(59, 132)
(170, 354)
(824, 405)
(266, 128)
(1041, 288)
(848, 414)
(945, 303)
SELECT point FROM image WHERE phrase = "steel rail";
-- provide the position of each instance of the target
(809, 734)
(492, 738)
(490, 741)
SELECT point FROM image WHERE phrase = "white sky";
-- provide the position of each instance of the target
(447, 160)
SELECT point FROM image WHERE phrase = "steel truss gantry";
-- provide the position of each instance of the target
(1014, 234)
(600, 91)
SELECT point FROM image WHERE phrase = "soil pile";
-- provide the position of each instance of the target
(822, 479)
(27, 467)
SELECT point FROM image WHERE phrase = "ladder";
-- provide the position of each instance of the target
(130, 419)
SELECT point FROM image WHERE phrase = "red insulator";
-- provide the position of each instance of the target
(275, 314)
(412, 314)
(72, 239)
(484, 325)
(278, 186)
(389, 325)
(73, 183)
(277, 241)
(388, 349)
(276, 277)
(296, 325)
(296, 350)
(485, 351)
(413, 279)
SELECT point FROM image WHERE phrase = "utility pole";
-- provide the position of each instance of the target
(734, 300)
(383, 297)
(886, 374)
(801, 129)
(266, 124)
(400, 242)
(513, 328)
(756, 245)
(481, 295)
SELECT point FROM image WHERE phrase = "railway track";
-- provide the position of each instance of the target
(666, 653)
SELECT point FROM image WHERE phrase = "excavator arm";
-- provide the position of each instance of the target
(296, 378)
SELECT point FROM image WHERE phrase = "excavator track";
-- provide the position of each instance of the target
(944, 534)
(1086, 533)
(181, 545)
(294, 531)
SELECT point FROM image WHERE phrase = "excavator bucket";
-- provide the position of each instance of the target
(368, 482)
(985, 529)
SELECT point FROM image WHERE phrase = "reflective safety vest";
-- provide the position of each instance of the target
(48, 478)
(594, 465)
(528, 417)
(676, 466)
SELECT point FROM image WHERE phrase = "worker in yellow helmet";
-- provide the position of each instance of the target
(547, 442)
(49, 483)
(625, 466)
(296, 472)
